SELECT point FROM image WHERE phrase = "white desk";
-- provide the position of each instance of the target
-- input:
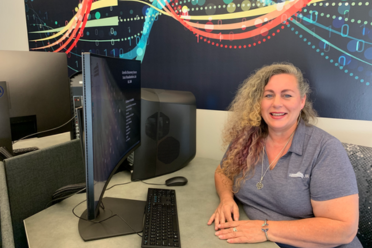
(196, 201)
(43, 142)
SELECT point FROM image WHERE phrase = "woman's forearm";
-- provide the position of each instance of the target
(223, 185)
(311, 232)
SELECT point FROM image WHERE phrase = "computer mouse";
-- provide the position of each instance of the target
(176, 181)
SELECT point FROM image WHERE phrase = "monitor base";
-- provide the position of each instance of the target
(132, 211)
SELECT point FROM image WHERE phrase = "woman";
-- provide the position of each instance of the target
(294, 180)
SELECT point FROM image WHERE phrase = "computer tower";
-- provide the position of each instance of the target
(76, 89)
(168, 133)
(5, 131)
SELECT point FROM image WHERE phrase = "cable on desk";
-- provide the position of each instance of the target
(97, 222)
(45, 130)
(73, 211)
(152, 183)
(118, 185)
(64, 197)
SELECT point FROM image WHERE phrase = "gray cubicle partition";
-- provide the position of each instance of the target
(6, 231)
(32, 178)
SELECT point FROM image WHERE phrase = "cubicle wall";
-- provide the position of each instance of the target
(210, 124)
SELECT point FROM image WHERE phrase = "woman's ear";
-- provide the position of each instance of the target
(303, 101)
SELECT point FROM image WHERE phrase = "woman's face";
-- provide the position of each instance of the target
(281, 103)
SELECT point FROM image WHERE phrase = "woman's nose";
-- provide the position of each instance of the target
(277, 101)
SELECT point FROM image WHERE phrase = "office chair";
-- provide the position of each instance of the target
(28, 181)
(361, 159)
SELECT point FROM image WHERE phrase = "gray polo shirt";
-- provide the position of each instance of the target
(316, 167)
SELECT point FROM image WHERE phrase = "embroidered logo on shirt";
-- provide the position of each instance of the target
(298, 174)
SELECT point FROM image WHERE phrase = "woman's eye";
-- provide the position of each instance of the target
(287, 96)
(268, 95)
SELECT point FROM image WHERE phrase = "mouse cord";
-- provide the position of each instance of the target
(153, 183)
(117, 185)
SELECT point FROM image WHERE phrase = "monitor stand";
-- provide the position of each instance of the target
(132, 211)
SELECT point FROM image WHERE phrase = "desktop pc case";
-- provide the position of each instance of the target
(76, 89)
(168, 133)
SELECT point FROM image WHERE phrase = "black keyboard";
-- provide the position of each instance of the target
(24, 150)
(161, 220)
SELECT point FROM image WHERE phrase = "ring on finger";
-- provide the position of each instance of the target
(234, 229)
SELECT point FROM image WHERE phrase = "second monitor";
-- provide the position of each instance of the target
(38, 92)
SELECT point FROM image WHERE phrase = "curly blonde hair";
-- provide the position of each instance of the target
(245, 129)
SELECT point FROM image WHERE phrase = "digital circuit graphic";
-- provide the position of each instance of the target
(338, 32)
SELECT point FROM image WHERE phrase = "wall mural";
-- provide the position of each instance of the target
(210, 47)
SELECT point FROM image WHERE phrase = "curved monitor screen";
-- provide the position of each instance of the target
(112, 95)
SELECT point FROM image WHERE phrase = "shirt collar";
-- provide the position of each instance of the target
(298, 139)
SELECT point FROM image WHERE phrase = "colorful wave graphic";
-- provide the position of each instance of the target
(227, 26)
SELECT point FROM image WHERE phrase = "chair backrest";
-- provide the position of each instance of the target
(32, 179)
(361, 159)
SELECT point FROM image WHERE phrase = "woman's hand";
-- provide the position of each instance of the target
(246, 231)
(227, 210)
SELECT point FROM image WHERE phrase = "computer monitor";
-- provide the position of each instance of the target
(38, 92)
(111, 130)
